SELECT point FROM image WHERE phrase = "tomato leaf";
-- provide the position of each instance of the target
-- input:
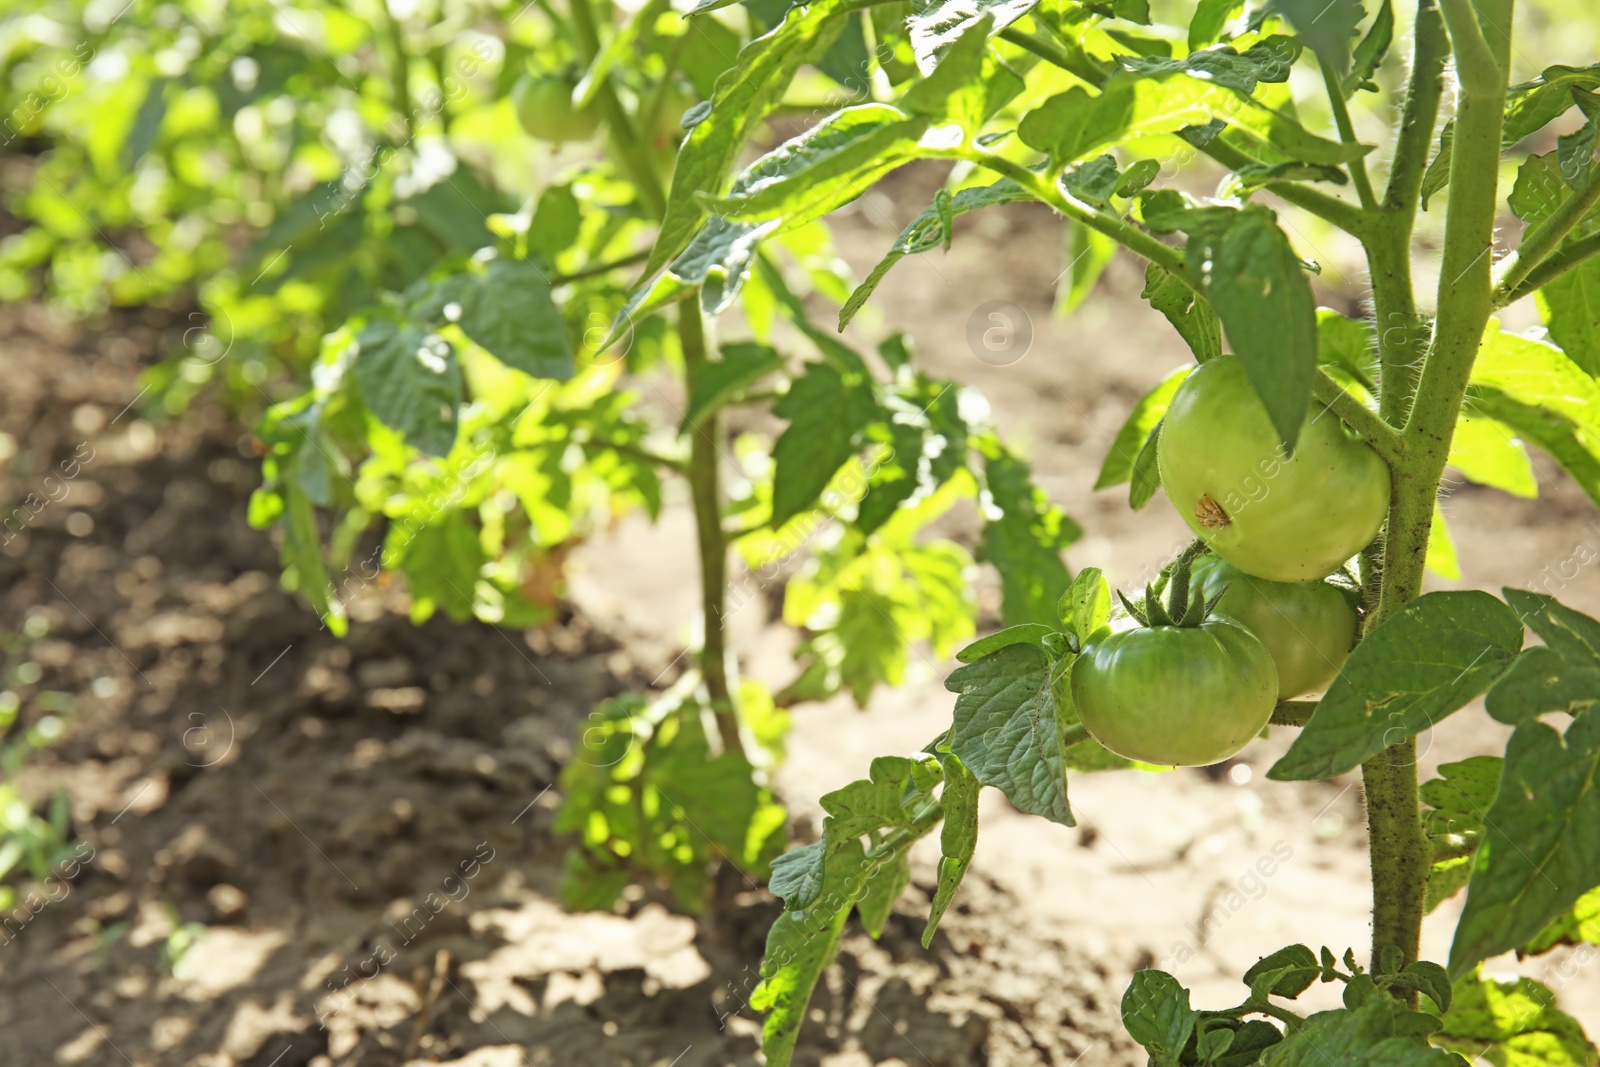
(968, 85)
(1351, 345)
(1541, 846)
(1287, 972)
(1156, 1013)
(1210, 16)
(1136, 430)
(743, 95)
(826, 415)
(958, 839)
(1513, 1021)
(1563, 674)
(411, 381)
(1028, 633)
(508, 310)
(1456, 801)
(797, 876)
(1191, 316)
(1006, 731)
(1326, 27)
(936, 25)
(1255, 283)
(927, 231)
(1484, 451)
(1422, 663)
(742, 364)
(1378, 1032)
(1025, 541)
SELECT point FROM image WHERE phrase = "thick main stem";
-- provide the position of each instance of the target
(705, 489)
(1398, 849)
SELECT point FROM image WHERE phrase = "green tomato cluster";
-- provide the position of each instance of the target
(1277, 524)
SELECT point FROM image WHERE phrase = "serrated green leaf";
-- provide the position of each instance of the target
(1563, 675)
(1086, 605)
(411, 381)
(1267, 61)
(968, 85)
(1373, 47)
(1006, 731)
(1564, 440)
(797, 876)
(958, 839)
(1156, 1013)
(1145, 478)
(508, 310)
(826, 416)
(1421, 664)
(1254, 281)
(1093, 182)
(1512, 1022)
(1428, 977)
(1579, 924)
(894, 479)
(1147, 412)
(1541, 846)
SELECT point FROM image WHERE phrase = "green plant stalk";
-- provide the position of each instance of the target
(1541, 240)
(1397, 846)
(1384, 439)
(626, 141)
(1347, 134)
(400, 69)
(1573, 255)
(706, 491)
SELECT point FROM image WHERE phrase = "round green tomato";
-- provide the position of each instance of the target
(1308, 627)
(544, 107)
(1182, 696)
(1287, 518)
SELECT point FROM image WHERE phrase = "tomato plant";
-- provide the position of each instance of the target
(1308, 627)
(1331, 434)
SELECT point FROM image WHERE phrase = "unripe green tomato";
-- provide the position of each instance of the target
(1180, 696)
(1308, 627)
(544, 107)
(1285, 518)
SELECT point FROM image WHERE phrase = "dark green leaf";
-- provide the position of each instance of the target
(1579, 924)
(1191, 316)
(1380, 1032)
(1428, 977)
(1006, 731)
(1145, 478)
(508, 310)
(894, 479)
(1287, 972)
(1268, 61)
(1156, 1012)
(884, 882)
(442, 563)
(1086, 606)
(1254, 281)
(1136, 430)
(1093, 182)
(848, 60)
(1563, 675)
(742, 364)
(826, 416)
(555, 222)
(958, 840)
(1421, 664)
(410, 380)
(1541, 846)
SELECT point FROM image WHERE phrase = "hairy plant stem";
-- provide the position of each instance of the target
(1574, 254)
(1347, 135)
(1398, 848)
(706, 491)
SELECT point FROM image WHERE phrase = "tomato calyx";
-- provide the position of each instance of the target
(1181, 609)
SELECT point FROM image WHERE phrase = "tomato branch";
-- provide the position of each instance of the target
(1124, 233)
(1543, 239)
(1347, 134)
(631, 260)
(1553, 267)
(1414, 138)
(1384, 439)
